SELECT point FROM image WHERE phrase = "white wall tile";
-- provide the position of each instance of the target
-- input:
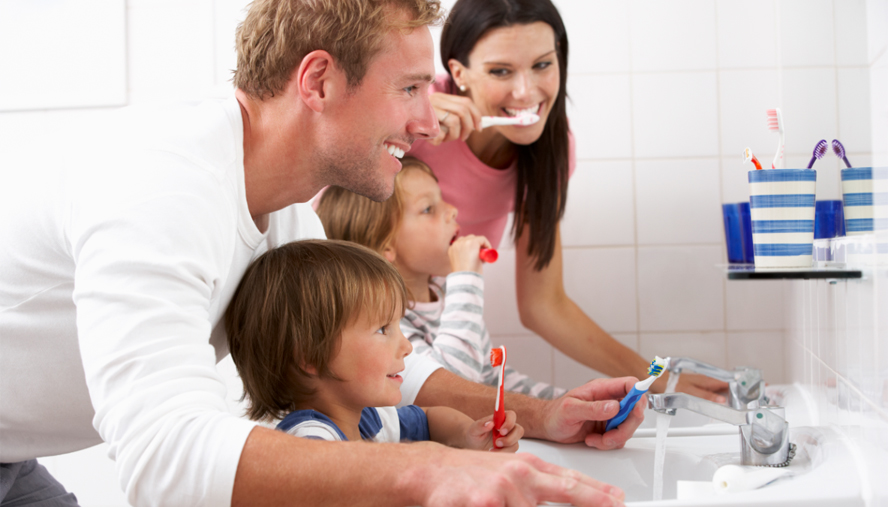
(600, 205)
(171, 51)
(600, 115)
(855, 122)
(806, 32)
(680, 289)
(808, 107)
(500, 306)
(676, 35)
(879, 109)
(675, 114)
(762, 350)
(528, 354)
(227, 15)
(601, 281)
(678, 201)
(62, 54)
(735, 176)
(851, 33)
(747, 33)
(598, 31)
(707, 347)
(876, 21)
(744, 98)
(754, 305)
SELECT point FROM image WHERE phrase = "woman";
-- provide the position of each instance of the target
(508, 58)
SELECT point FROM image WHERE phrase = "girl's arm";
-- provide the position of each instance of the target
(453, 428)
(546, 309)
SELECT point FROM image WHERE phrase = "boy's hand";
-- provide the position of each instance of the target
(465, 253)
(481, 436)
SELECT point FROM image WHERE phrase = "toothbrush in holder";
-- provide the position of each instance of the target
(498, 358)
(749, 157)
(523, 120)
(775, 124)
(641, 387)
(819, 152)
(839, 150)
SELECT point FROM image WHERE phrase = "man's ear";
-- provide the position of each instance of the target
(318, 78)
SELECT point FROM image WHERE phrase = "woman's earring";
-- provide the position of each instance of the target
(462, 88)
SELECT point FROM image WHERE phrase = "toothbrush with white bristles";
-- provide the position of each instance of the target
(839, 150)
(640, 387)
(819, 152)
(521, 119)
(775, 124)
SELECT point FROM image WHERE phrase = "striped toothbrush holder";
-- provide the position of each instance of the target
(865, 199)
(781, 203)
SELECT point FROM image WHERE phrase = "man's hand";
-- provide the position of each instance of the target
(582, 414)
(477, 478)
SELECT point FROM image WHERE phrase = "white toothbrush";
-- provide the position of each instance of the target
(522, 119)
(775, 124)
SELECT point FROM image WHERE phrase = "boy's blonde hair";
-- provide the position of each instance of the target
(290, 309)
(277, 34)
(351, 217)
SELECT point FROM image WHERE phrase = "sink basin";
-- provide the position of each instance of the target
(824, 471)
(632, 468)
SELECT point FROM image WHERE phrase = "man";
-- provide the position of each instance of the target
(118, 261)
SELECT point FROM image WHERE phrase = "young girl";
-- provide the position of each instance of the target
(418, 233)
(313, 330)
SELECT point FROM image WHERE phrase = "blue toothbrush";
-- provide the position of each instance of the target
(641, 387)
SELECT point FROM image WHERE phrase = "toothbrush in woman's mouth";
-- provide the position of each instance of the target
(523, 117)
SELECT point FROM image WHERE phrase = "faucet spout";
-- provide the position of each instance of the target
(746, 386)
(764, 433)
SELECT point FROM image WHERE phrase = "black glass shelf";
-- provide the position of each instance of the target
(750, 272)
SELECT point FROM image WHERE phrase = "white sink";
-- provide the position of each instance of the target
(824, 471)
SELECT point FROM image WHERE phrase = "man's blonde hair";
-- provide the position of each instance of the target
(277, 34)
(352, 217)
(290, 310)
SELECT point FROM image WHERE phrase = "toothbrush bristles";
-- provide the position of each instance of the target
(838, 149)
(820, 149)
(496, 357)
(656, 367)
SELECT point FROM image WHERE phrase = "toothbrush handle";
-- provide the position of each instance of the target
(847, 164)
(499, 415)
(626, 406)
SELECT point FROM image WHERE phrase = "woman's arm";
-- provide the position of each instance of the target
(547, 310)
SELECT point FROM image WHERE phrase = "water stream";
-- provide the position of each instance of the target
(663, 421)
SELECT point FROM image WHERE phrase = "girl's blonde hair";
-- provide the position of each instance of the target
(351, 217)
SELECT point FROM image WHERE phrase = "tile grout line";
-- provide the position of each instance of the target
(721, 189)
(634, 190)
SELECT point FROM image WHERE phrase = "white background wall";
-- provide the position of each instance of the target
(665, 95)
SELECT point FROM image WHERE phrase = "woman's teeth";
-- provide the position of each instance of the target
(519, 112)
(394, 150)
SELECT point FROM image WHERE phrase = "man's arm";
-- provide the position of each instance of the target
(279, 469)
(580, 415)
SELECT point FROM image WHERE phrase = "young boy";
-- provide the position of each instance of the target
(417, 231)
(313, 330)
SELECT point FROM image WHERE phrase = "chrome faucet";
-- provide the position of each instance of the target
(746, 387)
(764, 432)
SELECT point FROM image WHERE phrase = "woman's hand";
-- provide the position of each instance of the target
(700, 386)
(465, 253)
(458, 117)
(480, 435)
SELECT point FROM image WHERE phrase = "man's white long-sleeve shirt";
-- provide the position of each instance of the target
(117, 262)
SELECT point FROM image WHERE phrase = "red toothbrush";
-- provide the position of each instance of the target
(488, 255)
(498, 358)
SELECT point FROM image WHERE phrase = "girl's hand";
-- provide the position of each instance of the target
(465, 253)
(458, 117)
(480, 435)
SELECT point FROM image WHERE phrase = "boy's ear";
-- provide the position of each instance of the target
(310, 369)
(389, 253)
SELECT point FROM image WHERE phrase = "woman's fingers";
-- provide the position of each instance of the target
(457, 116)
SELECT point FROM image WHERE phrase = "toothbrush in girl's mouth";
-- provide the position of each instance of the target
(819, 152)
(521, 119)
(749, 157)
(839, 150)
(641, 387)
(498, 358)
(775, 124)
